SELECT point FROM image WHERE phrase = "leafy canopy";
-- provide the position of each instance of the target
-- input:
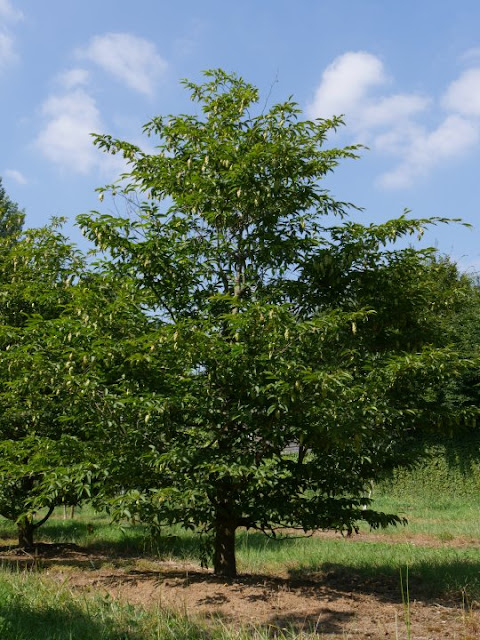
(59, 359)
(277, 378)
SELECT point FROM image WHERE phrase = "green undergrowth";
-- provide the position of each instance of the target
(451, 469)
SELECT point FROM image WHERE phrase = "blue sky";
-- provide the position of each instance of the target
(406, 75)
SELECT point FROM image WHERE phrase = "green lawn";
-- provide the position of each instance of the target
(440, 546)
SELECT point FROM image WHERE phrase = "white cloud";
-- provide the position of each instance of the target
(463, 95)
(73, 78)
(390, 123)
(8, 11)
(396, 141)
(471, 55)
(65, 139)
(454, 137)
(345, 83)
(392, 110)
(133, 60)
(7, 51)
(8, 54)
(16, 176)
(346, 88)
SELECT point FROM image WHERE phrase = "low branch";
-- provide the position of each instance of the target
(45, 518)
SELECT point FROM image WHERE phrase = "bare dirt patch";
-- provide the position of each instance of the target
(329, 606)
(334, 604)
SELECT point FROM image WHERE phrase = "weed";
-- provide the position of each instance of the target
(405, 591)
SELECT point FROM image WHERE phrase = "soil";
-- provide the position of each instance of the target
(335, 605)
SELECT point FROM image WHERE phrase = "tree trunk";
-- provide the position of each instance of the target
(26, 526)
(224, 562)
(25, 533)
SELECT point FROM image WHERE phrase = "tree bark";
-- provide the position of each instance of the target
(25, 528)
(224, 561)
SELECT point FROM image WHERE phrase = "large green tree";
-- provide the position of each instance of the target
(278, 378)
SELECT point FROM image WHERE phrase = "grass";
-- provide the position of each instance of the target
(442, 571)
(445, 518)
(34, 608)
(432, 546)
(437, 565)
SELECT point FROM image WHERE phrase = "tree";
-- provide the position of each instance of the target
(54, 373)
(36, 272)
(266, 330)
(11, 217)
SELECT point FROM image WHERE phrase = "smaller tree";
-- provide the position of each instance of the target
(54, 315)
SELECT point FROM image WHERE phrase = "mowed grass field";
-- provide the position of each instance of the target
(440, 549)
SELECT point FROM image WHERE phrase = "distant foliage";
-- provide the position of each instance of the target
(450, 470)
(11, 216)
